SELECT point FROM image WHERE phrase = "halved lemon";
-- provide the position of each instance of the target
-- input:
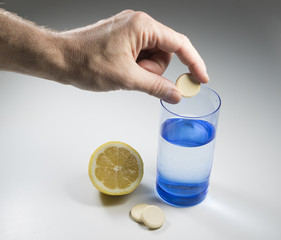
(116, 168)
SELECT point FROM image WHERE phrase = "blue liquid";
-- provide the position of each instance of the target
(184, 161)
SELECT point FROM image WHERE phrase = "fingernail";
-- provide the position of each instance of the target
(173, 97)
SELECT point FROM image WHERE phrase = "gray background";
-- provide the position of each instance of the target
(48, 131)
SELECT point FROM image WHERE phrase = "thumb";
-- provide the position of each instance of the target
(155, 85)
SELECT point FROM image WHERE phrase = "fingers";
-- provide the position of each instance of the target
(156, 62)
(171, 41)
(190, 57)
(154, 84)
(151, 66)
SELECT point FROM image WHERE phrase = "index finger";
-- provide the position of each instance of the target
(172, 41)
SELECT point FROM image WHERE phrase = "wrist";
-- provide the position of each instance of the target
(79, 61)
(55, 63)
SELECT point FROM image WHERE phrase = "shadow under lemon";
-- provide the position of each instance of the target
(143, 193)
(80, 189)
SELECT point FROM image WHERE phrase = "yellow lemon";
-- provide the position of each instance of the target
(115, 168)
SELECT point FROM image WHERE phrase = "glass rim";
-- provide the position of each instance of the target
(203, 116)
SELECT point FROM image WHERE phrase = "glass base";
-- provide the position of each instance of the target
(180, 201)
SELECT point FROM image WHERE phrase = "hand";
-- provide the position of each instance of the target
(128, 51)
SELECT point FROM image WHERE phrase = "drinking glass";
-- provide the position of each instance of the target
(186, 148)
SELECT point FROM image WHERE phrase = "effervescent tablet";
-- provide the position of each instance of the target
(136, 212)
(153, 216)
(188, 85)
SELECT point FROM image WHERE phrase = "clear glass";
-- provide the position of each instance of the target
(186, 148)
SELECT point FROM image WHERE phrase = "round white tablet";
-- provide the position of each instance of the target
(153, 217)
(187, 85)
(136, 212)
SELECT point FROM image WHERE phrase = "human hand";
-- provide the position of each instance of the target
(128, 51)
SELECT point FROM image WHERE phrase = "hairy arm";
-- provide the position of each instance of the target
(29, 49)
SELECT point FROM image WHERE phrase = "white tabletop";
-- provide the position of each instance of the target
(48, 132)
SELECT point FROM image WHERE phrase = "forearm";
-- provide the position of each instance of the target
(29, 49)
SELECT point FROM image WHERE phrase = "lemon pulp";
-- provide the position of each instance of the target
(115, 168)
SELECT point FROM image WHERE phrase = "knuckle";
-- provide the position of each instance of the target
(185, 38)
(156, 87)
(128, 11)
(140, 16)
(140, 20)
